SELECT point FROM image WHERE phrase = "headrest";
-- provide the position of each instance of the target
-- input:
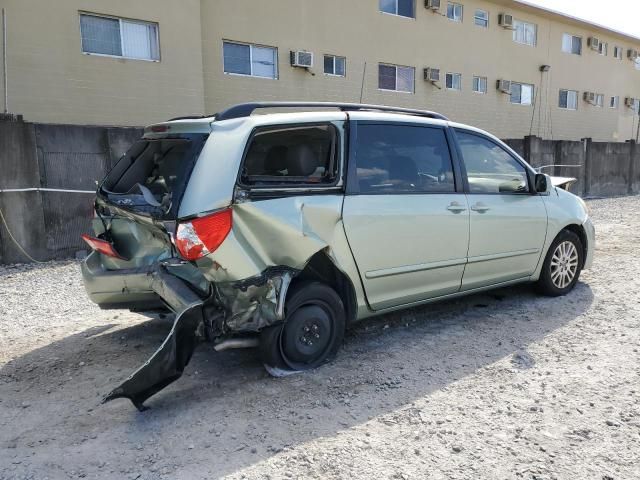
(301, 161)
(276, 159)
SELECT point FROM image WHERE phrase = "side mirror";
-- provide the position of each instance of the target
(541, 183)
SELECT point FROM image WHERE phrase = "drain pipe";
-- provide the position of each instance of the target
(4, 61)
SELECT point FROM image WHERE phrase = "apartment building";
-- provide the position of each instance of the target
(504, 65)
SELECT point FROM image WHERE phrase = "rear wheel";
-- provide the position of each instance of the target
(562, 265)
(311, 334)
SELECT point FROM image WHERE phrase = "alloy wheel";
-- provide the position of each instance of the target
(564, 264)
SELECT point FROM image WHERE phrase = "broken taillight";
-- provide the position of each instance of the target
(201, 236)
(101, 246)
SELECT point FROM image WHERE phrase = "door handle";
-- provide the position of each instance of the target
(480, 207)
(455, 207)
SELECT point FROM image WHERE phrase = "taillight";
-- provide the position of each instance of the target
(201, 236)
(101, 246)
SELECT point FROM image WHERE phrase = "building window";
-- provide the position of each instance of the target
(521, 93)
(251, 60)
(402, 8)
(119, 38)
(568, 99)
(617, 52)
(335, 65)
(614, 102)
(453, 81)
(480, 84)
(571, 44)
(524, 33)
(603, 48)
(599, 100)
(481, 18)
(396, 78)
(454, 12)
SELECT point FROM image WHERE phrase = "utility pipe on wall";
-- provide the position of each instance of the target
(4, 61)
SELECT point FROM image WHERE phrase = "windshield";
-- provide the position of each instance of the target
(151, 177)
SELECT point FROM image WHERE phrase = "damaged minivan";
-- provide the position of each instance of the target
(279, 230)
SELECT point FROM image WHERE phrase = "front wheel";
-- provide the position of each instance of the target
(562, 265)
(311, 334)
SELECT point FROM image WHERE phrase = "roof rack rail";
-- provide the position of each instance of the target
(246, 109)
(189, 117)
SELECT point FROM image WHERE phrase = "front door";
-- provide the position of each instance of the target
(508, 222)
(406, 223)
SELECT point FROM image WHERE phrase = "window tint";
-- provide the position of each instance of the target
(292, 155)
(490, 168)
(399, 158)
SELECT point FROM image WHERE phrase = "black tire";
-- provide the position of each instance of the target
(311, 333)
(546, 284)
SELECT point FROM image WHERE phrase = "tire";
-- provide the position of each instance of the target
(311, 333)
(562, 265)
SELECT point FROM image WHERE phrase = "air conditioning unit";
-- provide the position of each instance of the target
(630, 102)
(506, 21)
(432, 75)
(594, 43)
(590, 97)
(504, 86)
(632, 54)
(432, 4)
(302, 59)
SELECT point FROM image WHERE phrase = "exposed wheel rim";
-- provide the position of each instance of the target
(306, 336)
(564, 264)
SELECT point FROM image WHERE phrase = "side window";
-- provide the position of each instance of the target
(403, 159)
(292, 155)
(490, 168)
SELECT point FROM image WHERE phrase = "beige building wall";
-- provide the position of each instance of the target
(51, 80)
(358, 31)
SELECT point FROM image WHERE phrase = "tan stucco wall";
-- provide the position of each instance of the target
(358, 31)
(51, 80)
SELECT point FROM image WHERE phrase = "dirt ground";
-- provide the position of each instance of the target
(505, 385)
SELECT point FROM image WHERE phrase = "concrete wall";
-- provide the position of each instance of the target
(50, 79)
(49, 224)
(22, 211)
(602, 168)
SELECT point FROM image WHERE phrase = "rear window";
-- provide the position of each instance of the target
(291, 156)
(152, 176)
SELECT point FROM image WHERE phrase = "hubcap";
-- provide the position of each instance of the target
(564, 264)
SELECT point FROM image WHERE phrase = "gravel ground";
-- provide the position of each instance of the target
(505, 385)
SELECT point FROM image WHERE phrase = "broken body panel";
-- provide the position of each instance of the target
(271, 241)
